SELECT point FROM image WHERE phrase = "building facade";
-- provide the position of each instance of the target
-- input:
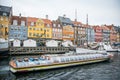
(113, 33)
(18, 28)
(35, 28)
(5, 17)
(117, 28)
(47, 28)
(56, 30)
(77, 32)
(106, 33)
(67, 27)
(90, 34)
(98, 33)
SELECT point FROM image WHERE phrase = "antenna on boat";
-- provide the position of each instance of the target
(75, 14)
(87, 19)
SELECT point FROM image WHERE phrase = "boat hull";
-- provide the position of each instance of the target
(113, 50)
(4, 52)
(53, 66)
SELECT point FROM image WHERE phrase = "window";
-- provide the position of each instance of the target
(4, 14)
(48, 25)
(53, 29)
(6, 18)
(32, 24)
(47, 35)
(30, 28)
(41, 29)
(58, 25)
(30, 34)
(33, 28)
(34, 34)
(1, 18)
(22, 23)
(54, 25)
(14, 22)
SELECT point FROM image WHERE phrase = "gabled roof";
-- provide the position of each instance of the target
(64, 20)
(19, 19)
(32, 19)
(117, 28)
(76, 23)
(47, 21)
(105, 28)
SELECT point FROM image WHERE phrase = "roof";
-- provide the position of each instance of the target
(5, 9)
(97, 27)
(47, 21)
(76, 23)
(65, 20)
(105, 28)
(32, 19)
(117, 28)
(19, 19)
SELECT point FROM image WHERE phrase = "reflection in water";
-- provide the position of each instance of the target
(98, 71)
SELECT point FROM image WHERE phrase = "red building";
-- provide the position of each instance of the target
(98, 33)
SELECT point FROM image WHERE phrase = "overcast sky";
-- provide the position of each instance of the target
(99, 11)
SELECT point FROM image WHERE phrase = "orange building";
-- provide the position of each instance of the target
(67, 28)
(113, 33)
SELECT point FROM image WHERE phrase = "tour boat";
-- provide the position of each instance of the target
(55, 61)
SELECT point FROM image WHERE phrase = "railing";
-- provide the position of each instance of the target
(38, 50)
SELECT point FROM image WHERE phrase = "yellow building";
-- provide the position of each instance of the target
(39, 28)
(5, 15)
(47, 28)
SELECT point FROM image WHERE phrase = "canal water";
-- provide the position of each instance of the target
(97, 71)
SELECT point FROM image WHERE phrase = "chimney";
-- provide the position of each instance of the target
(64, 15)
(46, 16)
(20, 15)
(75, 14)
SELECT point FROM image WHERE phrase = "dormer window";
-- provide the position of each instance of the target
(32, 24)
(22, 23)
(4, 14)
(48, 25)
(58, 25)
(64, 24)
(54, 25)
(14, 22)
(1, 18)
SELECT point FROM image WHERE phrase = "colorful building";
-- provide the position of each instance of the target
(47, 28)
(5, 16)
(56, 30)
(117, 28)
(77, 32)
(84, 34)
(39, 28)
(98, 33)
(18, 28)
(106, 33)
(113, 33)
(35, 28)
(90, 34)
(67, 27)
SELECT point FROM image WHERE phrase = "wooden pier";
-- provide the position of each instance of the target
(38, 50)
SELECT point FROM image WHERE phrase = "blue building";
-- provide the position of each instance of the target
(18, 28)
(90, 34)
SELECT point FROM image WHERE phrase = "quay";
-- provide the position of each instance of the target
(38, 50)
